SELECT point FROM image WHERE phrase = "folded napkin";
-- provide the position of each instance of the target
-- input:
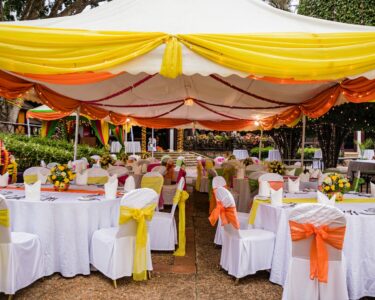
(323, 199)
(315, 173)
(110, 187)
(32, 191)
(81, 178)
(42, 178)
(43, 164)
(4, 179)
(290, 172)
(276, 197)
(129, 184)
(293, 186)
(304, 177)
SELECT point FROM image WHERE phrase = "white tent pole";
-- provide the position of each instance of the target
(260, 144)
(28, 127)
(76, 134)
(126, 136)
(303, 139)
(132, 136)
(152, 142)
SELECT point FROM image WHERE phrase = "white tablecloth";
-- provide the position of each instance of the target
(360, 165)
(359, 246)
(274, 155)
(115, 147)
(133, 147)
(318, 159)
(368, 154)
(241, 154)
(65, 227)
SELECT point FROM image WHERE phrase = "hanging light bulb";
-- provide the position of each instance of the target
(189, 102)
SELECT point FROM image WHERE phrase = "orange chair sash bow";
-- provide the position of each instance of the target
(318, 252)
(228, 215)
(276, 185)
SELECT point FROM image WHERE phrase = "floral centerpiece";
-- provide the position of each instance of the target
(106, 160)
(231, 157)
(276, 167)
(61, 175)
(145, 155)
(248, 161)
(124, 157)
(335, 184)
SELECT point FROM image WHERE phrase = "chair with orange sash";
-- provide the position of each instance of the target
(243, 218)
(268, 181)
(316, 269)
(244, 251)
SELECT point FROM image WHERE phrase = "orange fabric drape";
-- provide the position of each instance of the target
(161, 123)
(323, 235)
(276, 185)
(285, 80)
(228, 215)
(72, 78)
(227, 125)
(12, 87)
(358, 90)
(47, 116)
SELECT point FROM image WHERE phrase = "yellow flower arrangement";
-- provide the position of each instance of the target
(60, 176)
(337, 184)
(276, 167)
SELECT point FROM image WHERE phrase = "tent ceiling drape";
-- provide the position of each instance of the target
(251, 64)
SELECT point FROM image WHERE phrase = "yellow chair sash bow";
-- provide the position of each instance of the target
(4, 218)
(154, 183)
(199, 176)
(180, 198)
(140, 215)
(30, 179)
(97, 180)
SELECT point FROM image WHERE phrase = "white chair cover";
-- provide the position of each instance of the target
(276, 197)
(118, 170)
(298, 283)
(160, 169)
(264, 187)
(113, 249)
(21, 258)
(40, 172)
(163, 232)
(110, 188)
(97, 172)
(218, 181)
(81, 178)
(244, 251)
(4, 179)
(129, 184)
(51, 165)
(304, 177)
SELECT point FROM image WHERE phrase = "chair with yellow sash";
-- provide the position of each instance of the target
(163, 231)
(125, 250)
(33, 174)
(154, 181)
(21, 255)
(316, 269)
(97, 176)
(244, 251)
(243, 218)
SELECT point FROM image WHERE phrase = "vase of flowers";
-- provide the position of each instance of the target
(276, 167)
(106, 160)
(60, 176)
(335, 184)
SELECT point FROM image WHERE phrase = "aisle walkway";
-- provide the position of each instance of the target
(194, 277)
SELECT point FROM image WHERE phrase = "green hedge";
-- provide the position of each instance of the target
(30, 151)
(309, 153)
(255, 152)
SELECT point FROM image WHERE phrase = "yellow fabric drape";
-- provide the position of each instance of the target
(97, 180)
(301, 56)
(154, 183)
(43, 130)
(256, 204)
(180, 198)
(140, 215)
(199, 176)
(30, 179)
(105, 132)
(4, 218)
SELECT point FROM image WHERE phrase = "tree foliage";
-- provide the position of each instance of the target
(346, 11)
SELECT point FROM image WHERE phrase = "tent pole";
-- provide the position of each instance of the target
(152, 142)
(303, 140)
(126, 136)
(76, 133)
(28, 127)
(260, 144)
(132, 136)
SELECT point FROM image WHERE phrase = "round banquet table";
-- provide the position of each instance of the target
(133, 147)
(65, 227)
(241, 154)
(359, 244)
(360, 165)
(274, 155)
(115, 147)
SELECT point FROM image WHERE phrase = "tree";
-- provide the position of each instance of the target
(35, 9)
(287, 140)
